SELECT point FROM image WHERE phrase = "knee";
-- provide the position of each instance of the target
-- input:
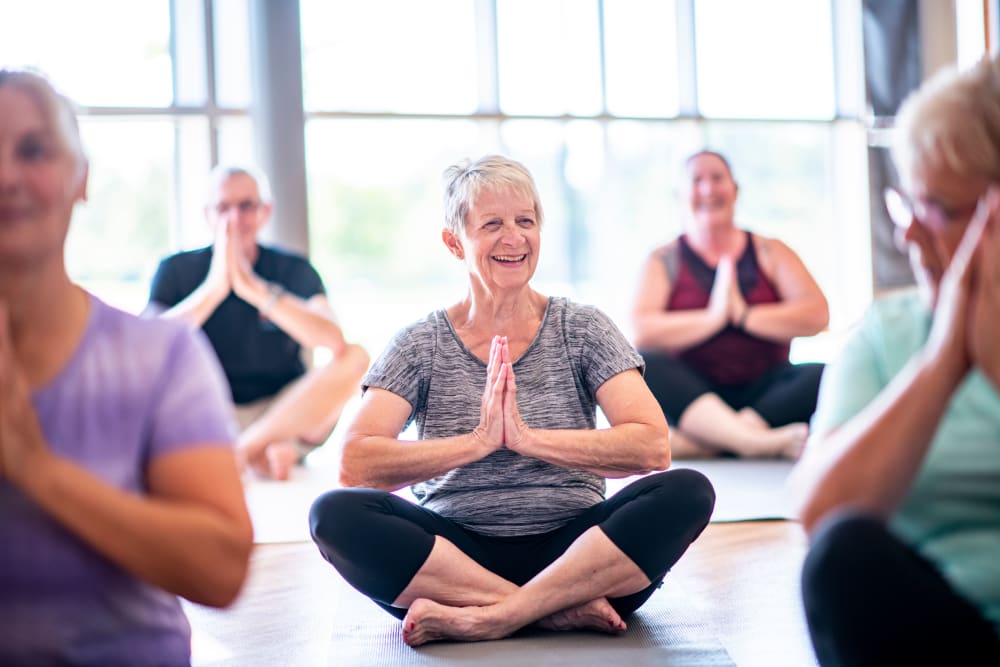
(333, 516)
(352, 359)
(838, 554)
(693, 491)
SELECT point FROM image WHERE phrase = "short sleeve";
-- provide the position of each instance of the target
(398, 368)
(192, 407)
(605, 352)
(164, 289)
(307, 281)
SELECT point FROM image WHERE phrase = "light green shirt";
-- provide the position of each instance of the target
(952, 512)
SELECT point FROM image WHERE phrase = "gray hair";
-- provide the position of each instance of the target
(223, 172)
(57, 109)
(952, 121)
(466, 179)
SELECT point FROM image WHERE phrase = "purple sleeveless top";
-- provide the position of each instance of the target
(732, 356)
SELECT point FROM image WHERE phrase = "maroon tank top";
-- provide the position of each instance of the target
(732, 356)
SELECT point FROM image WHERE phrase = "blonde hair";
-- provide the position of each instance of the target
(466, 179)
(952, 121)
(57, 109)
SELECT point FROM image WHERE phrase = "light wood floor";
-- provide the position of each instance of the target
(742, 576)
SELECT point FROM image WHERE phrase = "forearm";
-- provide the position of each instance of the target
(309, 327)
(785, 320)
(619, 451)
(378, 462)
(675, 331)
(197, 307)
(188, 549)
(871, 461)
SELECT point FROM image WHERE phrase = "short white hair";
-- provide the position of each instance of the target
(223, 172)
(466, 179)
(952, 121)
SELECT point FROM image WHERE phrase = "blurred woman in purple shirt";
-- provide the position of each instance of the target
(118, 484)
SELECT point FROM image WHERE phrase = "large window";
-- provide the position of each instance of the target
(601, 99)
(152, 124)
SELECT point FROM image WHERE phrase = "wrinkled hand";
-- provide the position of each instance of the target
(490, 428)
(720, 301)
(21, 439)
(514, 428)
(984, 307)
(949, 339)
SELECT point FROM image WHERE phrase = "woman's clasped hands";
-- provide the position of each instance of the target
(968, 305)
(500, 423)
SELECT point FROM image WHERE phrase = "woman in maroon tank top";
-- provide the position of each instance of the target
(714, 316)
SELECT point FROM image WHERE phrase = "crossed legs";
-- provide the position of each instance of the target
(448, 583)
(304, 412)
(767, 418)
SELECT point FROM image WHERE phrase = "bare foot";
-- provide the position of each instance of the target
(750, 417)
(596, 615)
(795, 440)
(281, 456)
(428, 621)
(782, 442)
(273, 461)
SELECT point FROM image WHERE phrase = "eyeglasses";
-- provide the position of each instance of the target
(903, 210)
(244, 206)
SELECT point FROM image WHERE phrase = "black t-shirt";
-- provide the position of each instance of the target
(259, 359)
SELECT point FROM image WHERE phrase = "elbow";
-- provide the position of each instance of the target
(231, 571)
(821, 317)
(353, 358)
(809, 515)
(659, 458)
(352, 472)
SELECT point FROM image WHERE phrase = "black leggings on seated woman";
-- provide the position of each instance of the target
(378, 541)
(870, 599)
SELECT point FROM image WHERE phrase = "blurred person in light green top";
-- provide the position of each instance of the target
(899, 489)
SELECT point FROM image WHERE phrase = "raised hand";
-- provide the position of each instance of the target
(21, 436)
(491, 410)
(218, 271)
(246, 284)
(984, 309)
(720, 300)
(949, 336)
(514, 428)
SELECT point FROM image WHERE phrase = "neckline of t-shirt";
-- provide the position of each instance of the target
(534, 341)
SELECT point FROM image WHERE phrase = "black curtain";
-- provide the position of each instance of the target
(891, 32)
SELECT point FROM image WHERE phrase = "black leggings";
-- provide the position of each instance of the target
(870, 599)
(378, 541)
(784, 395)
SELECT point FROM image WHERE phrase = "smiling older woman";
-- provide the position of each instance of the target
(118, 484)
(512, 527)
(900, 489)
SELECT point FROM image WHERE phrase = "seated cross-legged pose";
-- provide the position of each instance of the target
(714, 314)
(512, 527)
(118, 486)
(900, 488)
(260, 306)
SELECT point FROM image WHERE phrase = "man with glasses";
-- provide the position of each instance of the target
(260, 306)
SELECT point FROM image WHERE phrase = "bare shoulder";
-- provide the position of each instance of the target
(774, 254)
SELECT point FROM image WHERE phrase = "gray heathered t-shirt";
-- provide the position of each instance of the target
(575, 351)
